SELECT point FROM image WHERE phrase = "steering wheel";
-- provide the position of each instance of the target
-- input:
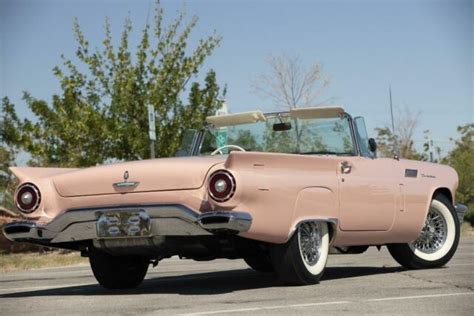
(219, 150)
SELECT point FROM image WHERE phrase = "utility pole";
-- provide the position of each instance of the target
(430, 147)
(391, 109)
(393, 122)
(151, 129)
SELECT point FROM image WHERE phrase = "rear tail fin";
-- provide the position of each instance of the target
(31, 173)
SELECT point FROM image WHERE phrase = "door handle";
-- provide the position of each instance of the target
(346, 167)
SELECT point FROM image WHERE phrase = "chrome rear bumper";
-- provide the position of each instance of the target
(162, 220)
(461, 210)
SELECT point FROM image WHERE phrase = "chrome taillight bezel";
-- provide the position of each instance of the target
(27, 209)
(230, 189)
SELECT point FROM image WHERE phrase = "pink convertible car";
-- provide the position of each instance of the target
(280, 190)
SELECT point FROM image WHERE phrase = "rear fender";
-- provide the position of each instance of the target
(316, 204)
(24, 174)
(41, 178)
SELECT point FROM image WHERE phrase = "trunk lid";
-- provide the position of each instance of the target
(164, 174)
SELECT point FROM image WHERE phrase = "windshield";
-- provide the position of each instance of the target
(283, 134)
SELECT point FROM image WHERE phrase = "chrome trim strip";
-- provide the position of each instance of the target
(461, 210)
(355, 140)
(126, 184)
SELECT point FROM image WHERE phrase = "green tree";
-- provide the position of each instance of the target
(6, 160)
(6, 183)
(101, 113)
(399, 142)
(389, 144)
(461, 158)
(246, 140)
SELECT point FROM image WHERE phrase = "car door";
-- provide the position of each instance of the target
(369, 191)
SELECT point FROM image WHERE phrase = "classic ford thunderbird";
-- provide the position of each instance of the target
(280, 190)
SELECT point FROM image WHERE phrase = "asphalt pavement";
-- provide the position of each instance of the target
(369, 283)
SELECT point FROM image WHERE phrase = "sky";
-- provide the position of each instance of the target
(423, 49)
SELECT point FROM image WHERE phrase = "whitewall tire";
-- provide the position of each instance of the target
(303, 258)
(437, 241)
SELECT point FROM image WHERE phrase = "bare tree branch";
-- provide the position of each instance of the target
(289, 84)
(406, 123)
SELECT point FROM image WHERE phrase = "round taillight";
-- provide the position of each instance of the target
(221, 185)
(27, 198)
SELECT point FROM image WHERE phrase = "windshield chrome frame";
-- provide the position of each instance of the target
(199, 138)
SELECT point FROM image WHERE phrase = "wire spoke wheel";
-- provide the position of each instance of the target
(433, 234)
(310, 239)
(302, 259)
(437, 241)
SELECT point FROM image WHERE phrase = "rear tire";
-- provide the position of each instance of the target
(303, 258)
(118, 272)
(437, 242)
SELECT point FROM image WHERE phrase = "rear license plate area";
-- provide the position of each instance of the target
(123, 224)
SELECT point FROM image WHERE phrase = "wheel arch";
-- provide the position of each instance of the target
(332, 226)
(444, 191)
(429, 198)
(316, 203)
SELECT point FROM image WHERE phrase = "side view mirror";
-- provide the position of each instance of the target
(372, 145)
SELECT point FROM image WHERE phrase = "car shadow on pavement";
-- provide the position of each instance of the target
(204, 283)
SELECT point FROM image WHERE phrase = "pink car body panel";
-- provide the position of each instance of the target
(376, 203)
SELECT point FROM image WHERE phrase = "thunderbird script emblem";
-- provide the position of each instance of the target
(125, 183)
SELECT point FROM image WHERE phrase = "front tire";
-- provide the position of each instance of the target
(437, 242)
(303, 258)
(118, 272)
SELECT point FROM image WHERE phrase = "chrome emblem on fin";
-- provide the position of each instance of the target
(125, 183)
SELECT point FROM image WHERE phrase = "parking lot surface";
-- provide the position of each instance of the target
(369, 283)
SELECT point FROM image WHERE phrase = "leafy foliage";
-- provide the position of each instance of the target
(400, 141)
(389, 144)
(461, 158)
(101, 113)
(6, 160)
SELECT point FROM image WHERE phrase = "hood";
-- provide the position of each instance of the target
(162, 174)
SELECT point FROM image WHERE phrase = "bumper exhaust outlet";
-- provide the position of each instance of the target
(222, 220)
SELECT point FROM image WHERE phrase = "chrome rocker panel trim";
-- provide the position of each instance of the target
(461, 210)
(166, 220)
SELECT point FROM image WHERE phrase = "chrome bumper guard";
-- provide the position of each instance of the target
(128, 222)
(461, 210)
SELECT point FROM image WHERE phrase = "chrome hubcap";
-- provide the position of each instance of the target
(434, 233)
(310, 239)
